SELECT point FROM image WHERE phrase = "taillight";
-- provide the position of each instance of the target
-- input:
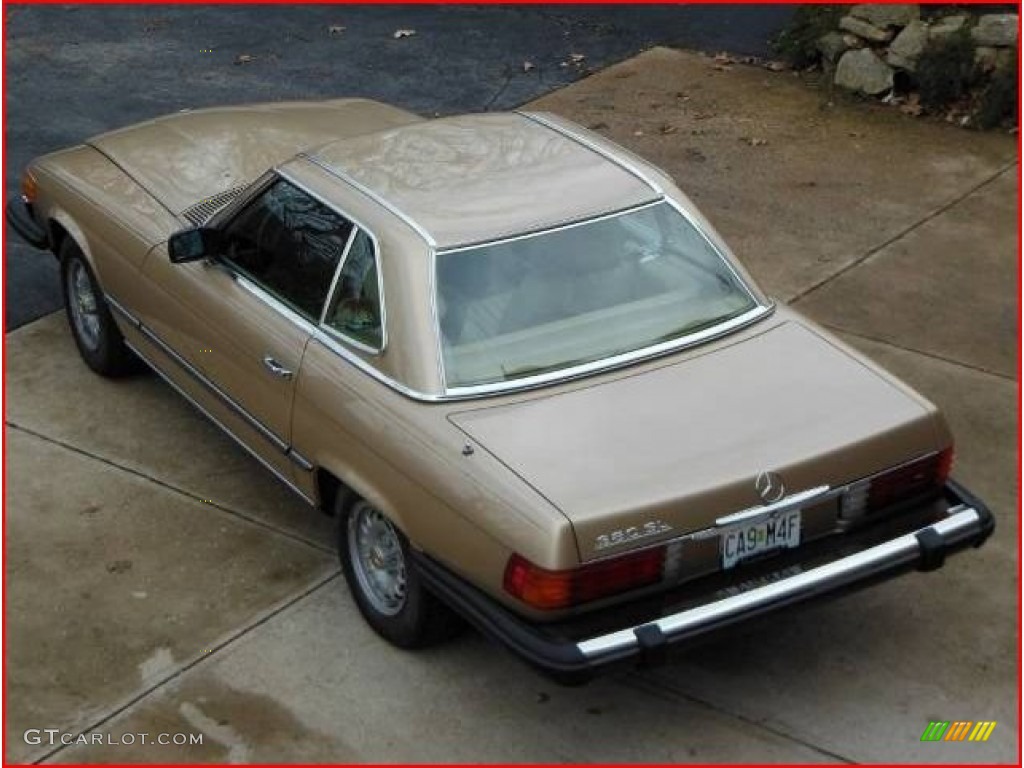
(549, 590)
(898, 484)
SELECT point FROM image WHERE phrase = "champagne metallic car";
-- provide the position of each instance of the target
(529, 378)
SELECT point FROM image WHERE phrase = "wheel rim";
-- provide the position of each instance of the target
(377, 558)
(84, 305)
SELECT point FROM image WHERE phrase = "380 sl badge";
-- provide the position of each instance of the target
(632, 533)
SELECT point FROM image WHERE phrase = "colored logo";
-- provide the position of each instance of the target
(958, 730)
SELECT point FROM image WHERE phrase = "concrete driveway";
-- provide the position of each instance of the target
(159, 581)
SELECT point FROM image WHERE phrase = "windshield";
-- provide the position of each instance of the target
(563, 298)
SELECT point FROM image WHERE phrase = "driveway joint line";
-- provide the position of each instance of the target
(174, 489)
(195, 662)
(665, 690)
(858, 261)
(923, 353)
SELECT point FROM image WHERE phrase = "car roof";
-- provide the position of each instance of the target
(474, 178)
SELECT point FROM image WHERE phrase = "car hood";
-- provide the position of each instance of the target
(681, 444)
(184, 158)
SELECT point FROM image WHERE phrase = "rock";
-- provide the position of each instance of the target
(852, 41)
(833, 45)
(908, 46)
(946, 26)
(861, 28)
(990, 59)
(996, 29)
(864, 72)
(887, 15)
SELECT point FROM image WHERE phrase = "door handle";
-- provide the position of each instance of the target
(276, 368)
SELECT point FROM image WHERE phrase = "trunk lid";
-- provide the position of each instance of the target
(675, 447)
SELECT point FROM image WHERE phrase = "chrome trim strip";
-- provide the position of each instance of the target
(813, 495)
(190, 369)
(583, 141)
(257, 291)
(325, 340)
(718, 251)
(222, 427)
(337, 273)
(903, 550)
(196, 374)
(120, 309)
(615, 362)
(548, 229)
(301, 461)
(373, 195)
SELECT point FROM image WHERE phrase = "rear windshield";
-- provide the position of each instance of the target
(567, 297)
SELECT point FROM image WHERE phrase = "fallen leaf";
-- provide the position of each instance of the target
(598, 126)
(400, 33)
(335, 29)
(913, 106)
(666, 129)
(528, 65)
(119, 566)
(244, 58)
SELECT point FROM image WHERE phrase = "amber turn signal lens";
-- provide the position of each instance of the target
(550, 590)
(29, 189)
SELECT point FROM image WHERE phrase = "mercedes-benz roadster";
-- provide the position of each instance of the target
(533, 384)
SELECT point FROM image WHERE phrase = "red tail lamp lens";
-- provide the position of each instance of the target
(910, 480)
(548, 590)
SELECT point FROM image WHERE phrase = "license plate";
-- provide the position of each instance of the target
(779, 531)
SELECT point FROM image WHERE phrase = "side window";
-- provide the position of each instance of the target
(355, 308)
(290, 244)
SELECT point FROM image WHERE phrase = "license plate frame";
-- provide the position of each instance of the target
(745, 541)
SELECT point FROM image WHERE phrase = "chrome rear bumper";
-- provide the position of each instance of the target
(966, 523)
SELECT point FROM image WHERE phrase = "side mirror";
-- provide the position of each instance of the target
(193, 244)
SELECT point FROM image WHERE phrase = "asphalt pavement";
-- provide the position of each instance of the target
(75, 71)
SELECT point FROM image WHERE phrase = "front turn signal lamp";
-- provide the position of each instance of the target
(29, 187)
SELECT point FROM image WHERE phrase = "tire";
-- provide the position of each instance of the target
(96, 335)
(383, 579)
